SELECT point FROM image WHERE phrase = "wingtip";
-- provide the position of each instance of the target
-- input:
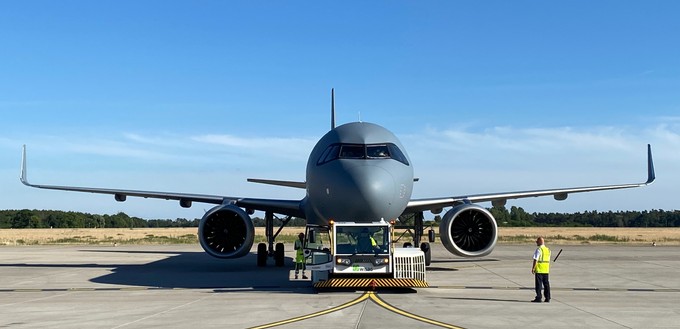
(651, 175)
(23, 178)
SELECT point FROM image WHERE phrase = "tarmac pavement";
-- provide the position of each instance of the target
(179, 286)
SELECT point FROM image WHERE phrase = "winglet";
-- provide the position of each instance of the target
(651, 176)
(23, 168)
(332, 108)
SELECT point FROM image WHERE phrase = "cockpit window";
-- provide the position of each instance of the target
(331, 153)
(362, 151)
(377, 151)
(352, 151)
(396, 154)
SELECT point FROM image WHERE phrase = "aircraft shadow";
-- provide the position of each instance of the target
(198, 270)
(191, 270)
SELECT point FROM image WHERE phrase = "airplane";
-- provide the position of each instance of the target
(358, 172)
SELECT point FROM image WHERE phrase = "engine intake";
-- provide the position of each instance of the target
(226, 231)
(468, 231)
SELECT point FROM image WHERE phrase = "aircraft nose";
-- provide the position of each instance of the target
(372, 191)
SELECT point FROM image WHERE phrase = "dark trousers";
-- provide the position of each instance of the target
(542, 283)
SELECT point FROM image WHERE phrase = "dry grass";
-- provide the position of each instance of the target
(553, 235)
(97, 236)
(582, 235)
(117, 235)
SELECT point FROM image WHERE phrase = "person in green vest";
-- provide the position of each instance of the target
(300, 255)
(541, 269)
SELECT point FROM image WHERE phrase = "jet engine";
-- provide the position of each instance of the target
(468, 230)
(226, 231)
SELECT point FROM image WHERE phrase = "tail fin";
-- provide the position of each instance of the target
(332, 108)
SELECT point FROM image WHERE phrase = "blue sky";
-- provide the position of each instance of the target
(198, 96)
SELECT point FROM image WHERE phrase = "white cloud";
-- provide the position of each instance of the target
(269, 147)
(465, 161)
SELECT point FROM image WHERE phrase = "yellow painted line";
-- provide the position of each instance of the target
(367, 295)
(312, 315)
(389, 307)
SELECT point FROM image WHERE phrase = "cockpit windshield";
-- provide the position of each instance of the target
(377, 151)
(362, 151)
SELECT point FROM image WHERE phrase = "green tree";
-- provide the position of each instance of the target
(501, 215)
(21, 219)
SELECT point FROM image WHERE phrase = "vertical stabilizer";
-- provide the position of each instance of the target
(332, 108)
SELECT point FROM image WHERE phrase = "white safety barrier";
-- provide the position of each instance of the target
(409, 263)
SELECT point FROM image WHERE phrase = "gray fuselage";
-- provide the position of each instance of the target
(357, 172)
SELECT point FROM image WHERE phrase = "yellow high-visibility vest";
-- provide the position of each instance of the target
(299, 252)
(543, 262)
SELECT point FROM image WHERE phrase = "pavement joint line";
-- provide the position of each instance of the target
(231, 289)
(88, 289)
(667, 290)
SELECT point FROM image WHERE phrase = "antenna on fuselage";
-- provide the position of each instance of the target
(332, 108)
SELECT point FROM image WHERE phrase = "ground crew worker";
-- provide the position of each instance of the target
(541, 268)
(374, 244)
(366, 242)
(300, 255)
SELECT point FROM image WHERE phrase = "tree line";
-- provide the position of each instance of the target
(515, 216)
(26, 218)
(518, 217)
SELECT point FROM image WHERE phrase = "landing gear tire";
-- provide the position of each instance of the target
(278, 254)
(425, 247)
(261, 254)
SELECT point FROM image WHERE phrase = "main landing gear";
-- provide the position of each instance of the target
(266, 250)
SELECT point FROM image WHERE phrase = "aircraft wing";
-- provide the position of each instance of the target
(279, 182)
(285, 207)
(499, 199)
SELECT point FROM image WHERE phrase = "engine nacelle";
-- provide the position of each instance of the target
(468, 231)
(226, 231)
